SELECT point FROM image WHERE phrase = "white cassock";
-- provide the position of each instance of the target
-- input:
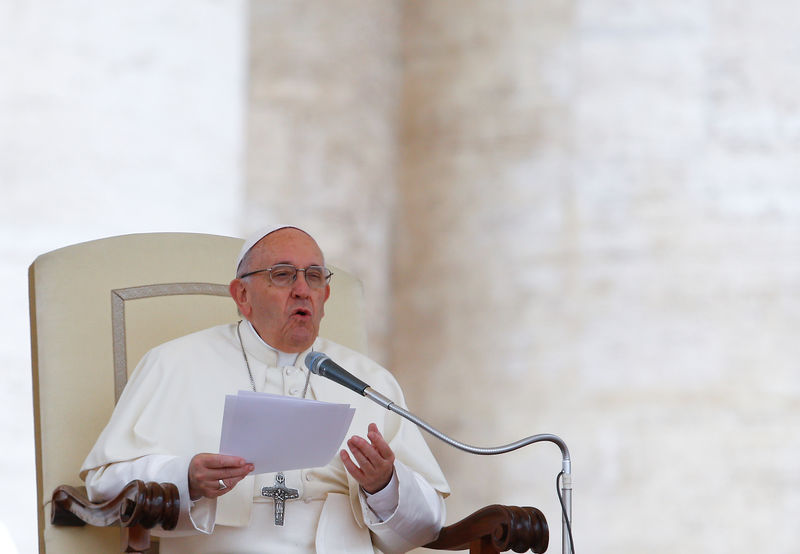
(171, 409)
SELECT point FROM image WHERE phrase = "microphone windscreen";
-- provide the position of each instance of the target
(313, 360)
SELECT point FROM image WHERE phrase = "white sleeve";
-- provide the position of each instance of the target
(384, 502)
(106, 482)
(417, 518)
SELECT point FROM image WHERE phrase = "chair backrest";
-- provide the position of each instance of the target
(95, 309)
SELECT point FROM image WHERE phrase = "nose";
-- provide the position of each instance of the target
(300, 286)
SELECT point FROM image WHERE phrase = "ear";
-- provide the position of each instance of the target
(238, 291)
(327, 295)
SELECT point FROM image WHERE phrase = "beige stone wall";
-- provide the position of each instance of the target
(579, 217)
(571, 217)
(607, 211)
(115, 118)
(479, 296)
(322, 113)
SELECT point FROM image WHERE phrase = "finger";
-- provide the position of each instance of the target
(203, 464)
(370, 478)
(350, 466)
(211, 489)
(374, 477)
(204, 476)
(379, 455)
(379, 443)
(363, 445)
(363, 452)
(363, 463)
(231, 473)
(220, 461)
(222, 486)
(233, 481)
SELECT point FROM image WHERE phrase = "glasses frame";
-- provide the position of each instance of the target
(325, 271)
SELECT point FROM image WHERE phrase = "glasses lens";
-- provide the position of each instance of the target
(283, 275)
(316, 276)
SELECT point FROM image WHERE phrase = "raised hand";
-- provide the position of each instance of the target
(374, 457)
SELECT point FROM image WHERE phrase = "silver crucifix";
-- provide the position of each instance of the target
(280, 493)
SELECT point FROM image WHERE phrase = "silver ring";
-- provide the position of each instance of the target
(222, 485)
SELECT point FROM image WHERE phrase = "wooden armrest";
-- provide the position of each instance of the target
(141, 506)
(137, 508)
(139, 503)
(495, 529)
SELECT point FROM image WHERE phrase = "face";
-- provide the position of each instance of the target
(287, 318)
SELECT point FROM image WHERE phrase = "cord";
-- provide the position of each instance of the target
(564, 511)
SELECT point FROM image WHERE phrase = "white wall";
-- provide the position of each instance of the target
(115, 118)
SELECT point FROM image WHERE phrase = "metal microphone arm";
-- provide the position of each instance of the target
(566, 463)
(320, 364)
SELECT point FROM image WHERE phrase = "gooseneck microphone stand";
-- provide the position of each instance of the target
(321, 364)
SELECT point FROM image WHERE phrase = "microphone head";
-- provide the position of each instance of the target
(314, 359)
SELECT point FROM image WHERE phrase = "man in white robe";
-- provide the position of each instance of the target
(388, 496)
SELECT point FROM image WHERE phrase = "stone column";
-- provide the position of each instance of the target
(485, 259)
(321, 132)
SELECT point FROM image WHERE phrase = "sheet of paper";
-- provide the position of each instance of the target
(278, 433)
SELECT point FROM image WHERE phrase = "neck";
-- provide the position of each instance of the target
(284, 358)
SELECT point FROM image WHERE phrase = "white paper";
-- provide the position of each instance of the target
(278, 433)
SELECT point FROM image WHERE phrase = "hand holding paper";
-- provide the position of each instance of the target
(208, 472)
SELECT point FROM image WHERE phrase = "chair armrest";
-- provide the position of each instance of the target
(491, 529)
(496, 528)
(138, 504)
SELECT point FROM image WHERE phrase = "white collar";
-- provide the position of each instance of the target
(258, 345)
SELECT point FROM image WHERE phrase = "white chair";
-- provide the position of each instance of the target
(95, 309)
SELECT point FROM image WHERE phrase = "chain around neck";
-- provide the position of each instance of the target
(247, 364)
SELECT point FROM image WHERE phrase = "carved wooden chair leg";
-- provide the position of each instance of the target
(135, 539)
(137, 509)
(484, 545)
(495, 529)
(141, 506)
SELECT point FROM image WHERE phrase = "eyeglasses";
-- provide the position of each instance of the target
(284, 275)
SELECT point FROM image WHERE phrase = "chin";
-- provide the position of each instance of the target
(301, 343)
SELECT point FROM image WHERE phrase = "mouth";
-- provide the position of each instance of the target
(301, 312)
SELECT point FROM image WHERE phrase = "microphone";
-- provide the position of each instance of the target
(319, 363)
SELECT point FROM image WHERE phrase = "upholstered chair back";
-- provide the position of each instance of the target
(95, 309)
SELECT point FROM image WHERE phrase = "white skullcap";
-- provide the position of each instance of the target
(257, 236)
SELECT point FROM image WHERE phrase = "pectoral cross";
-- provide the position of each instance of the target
(280, 493)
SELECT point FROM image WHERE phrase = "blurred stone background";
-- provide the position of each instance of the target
(571, 217)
